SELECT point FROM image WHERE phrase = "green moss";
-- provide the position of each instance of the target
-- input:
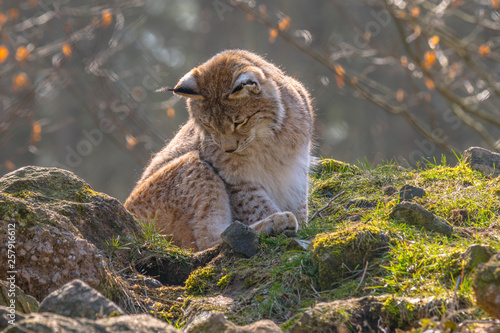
(398, 313)
(337, 253)
(225, 280)
(199, 280)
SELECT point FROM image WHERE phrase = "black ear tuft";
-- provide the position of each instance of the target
(184, 90)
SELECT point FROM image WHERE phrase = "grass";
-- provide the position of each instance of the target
(279, 283)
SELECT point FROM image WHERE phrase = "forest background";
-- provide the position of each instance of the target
(406, 81)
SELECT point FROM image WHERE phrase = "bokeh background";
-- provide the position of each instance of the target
(407, 81)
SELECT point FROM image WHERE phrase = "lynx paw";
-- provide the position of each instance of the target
(284, 223)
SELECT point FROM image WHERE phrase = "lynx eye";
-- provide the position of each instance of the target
(239, 123)
(242, 85)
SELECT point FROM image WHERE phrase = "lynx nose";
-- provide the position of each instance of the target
(229, 146)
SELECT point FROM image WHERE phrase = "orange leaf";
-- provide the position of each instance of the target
(339, 70)
(340, 81)
(131, 141)
(404, 61)
(401, 14)
(36, 132)
(250, 17)
(3, 19)
(66, 49)
(415, 11)
(4, 53)
(9, 165)
(484, 50)
(429, 59)
(354, 80)
(457, 3)
(284, 23)
(273, 33)
(13, 13)
(171, 112)
(495, 4)
(22, 54)
(107, 18)
(400, 95)
(429, 84)
(434, 41)
(19, 81)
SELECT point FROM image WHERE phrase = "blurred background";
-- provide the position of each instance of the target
(406, 81)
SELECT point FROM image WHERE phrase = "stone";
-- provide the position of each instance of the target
(241, 238)
(483, 160)
(60, 227)
(52, 323)
(409, 192)
(337, 254)
(486, 285)
(78, 299)
(9, 316)
(475, 255)
(416, 215)
(216, 322)
(298, 244)
(23, 303)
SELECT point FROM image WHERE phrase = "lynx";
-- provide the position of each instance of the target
(242, 155)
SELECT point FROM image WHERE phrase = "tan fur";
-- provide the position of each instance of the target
(243, 154)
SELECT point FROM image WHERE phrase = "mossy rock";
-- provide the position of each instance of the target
(23, 303)
(486, 284)
(369, 314)
(60, 225)
(335, 254)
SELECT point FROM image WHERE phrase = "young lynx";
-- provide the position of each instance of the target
(243, 154)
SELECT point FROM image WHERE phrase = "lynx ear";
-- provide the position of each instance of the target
(247, 83)
(187, 87)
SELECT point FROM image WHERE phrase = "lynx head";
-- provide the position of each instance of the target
(235, 98)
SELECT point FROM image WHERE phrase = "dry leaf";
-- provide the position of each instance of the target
(36, 132)
(484, 50)
(429, 59)
(434, 41)
(284, 23)
(20, 81)
(171, 112)
(273, 33)
(400, 95)
(22, 54)
(66, 49)
(107, 18)
(4, 53)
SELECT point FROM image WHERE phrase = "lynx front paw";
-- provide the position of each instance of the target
(284, 223)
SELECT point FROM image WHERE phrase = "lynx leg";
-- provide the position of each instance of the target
(251, 204)
(190, 201)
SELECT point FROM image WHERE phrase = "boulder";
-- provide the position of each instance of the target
(414, 214)
(483, 160)
(78, 299)
(241, 238)
(486, 285)
(336, 254)
(60, 226)
(409, 192)
(52, 323)
(217, 322)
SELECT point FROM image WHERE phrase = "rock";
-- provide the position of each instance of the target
(202, 307)
(298, 244)
(414, 214)
(9, 316)
(336, 254)
(483, 160)
(60, 226)
(78, 299)
(408, 192)
(389, 190)
(52, 323)
(217, 322)
(369, 314)
(486, 285)
(241, 238)
(360, 203)
(23, 303)
(475, 255)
